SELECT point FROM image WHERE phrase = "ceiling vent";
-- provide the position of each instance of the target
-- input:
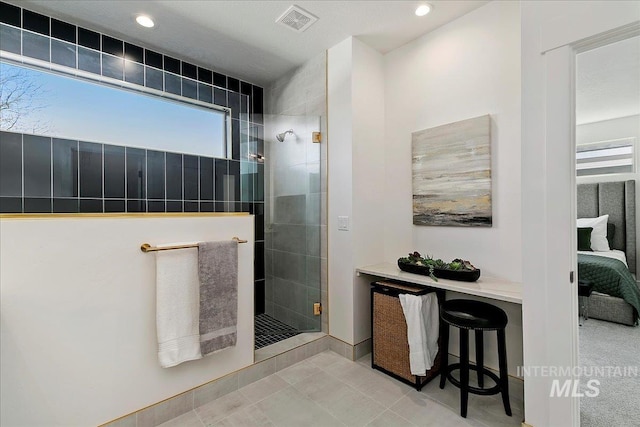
(297, 19)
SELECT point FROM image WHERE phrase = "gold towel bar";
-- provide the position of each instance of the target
(148, 248)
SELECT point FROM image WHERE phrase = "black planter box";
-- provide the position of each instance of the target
(463, 275)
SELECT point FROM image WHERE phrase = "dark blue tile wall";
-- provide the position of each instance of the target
(11, 166)
(56, 170)
(65, 168)
(36, 152)
(136, 174)
(90, 162)
(43, 175)
(114, 174)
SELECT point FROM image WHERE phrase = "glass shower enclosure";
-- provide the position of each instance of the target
(293, 228)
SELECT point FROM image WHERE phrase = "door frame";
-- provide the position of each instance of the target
(550, 309)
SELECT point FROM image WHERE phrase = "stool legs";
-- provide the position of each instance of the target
(464, 371)
(586, 309)
(480, 357)
(504, 378)
(444, 352)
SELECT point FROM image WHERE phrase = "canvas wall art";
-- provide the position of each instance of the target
(452, 174)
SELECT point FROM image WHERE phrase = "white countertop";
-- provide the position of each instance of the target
(489, 287)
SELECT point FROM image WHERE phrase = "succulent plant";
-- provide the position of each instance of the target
(457, 264)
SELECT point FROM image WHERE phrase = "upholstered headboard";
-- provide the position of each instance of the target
(618, 200)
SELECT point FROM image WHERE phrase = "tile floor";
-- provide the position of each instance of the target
(329, 390)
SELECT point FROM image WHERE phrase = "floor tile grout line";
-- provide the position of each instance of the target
(348, 385)
(456, 409)
(359, 392)
(265, 414)
(325, 410)
(325, 351)
(305, 397)
(299, 381)
(199, 417)
(316, 403)
(394, 413)
(399, 399)
(233, 411)
(244, 409)
(437, 402)
(267, 396)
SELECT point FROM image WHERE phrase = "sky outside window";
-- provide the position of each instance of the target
(67, 107)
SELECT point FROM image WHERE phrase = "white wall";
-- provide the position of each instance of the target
(465, 69)
(356, 182)
(340, 190)
(368, 175)
(622, 127)
(78, 316)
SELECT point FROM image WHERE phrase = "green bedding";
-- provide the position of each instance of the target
(609, 276)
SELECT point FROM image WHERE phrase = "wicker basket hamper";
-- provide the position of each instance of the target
(390, 347)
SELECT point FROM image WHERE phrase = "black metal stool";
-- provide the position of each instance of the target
(477, 316)
(585, 289)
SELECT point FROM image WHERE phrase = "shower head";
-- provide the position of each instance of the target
(280, 137)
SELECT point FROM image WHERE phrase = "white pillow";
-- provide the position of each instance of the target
(599, 242)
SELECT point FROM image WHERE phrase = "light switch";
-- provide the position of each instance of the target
(343, 223)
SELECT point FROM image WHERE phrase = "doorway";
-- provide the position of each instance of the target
(607, 131)
(553, 33)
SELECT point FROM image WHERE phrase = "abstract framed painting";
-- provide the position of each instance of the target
(451, 167)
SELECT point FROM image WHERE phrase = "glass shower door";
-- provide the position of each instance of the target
(293, 229)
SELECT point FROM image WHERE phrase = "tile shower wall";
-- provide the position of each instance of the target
(296, 250)
(50, 175)
(41, 174)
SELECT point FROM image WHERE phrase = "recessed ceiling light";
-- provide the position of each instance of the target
(147, 22)
(423, 9)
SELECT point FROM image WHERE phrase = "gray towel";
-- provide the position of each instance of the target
(218, 274)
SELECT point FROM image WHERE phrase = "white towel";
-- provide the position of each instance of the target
(423, 322)
(177, 306)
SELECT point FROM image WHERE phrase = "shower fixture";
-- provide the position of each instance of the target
(280, 136)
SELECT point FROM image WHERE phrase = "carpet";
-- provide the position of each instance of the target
(606, 344)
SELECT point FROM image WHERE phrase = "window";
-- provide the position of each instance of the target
(606, 157)
(56, 105)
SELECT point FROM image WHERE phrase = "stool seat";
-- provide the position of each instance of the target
(478, 317)
(469, 314)
(585, 289)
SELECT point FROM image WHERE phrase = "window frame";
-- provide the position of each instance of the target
(44, 66)
(630, 141)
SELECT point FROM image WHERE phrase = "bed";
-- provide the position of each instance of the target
(616, 199)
